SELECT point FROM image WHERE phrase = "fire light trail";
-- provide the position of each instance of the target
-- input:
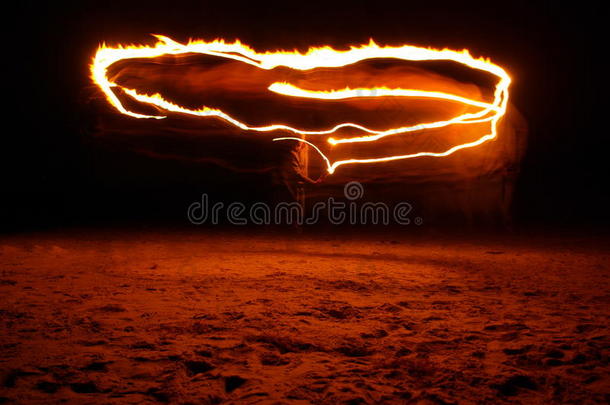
(313, 58)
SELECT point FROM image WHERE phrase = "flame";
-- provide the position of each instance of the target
(314, 58)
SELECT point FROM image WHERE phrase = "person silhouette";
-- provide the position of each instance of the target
(290, 176)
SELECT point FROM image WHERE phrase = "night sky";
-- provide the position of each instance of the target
(49, 175)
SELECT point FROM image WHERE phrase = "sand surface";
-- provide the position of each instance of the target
(209, 318)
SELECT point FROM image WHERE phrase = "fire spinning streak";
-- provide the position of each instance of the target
(314, 58)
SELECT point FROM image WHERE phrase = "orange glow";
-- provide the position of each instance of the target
(314, 58)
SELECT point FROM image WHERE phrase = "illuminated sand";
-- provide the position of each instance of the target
(132, 317)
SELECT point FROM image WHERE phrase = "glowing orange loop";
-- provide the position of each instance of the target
(314, 58)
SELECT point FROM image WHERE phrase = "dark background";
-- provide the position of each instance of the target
(48, 178)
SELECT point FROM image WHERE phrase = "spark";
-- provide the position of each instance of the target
(316, 57)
